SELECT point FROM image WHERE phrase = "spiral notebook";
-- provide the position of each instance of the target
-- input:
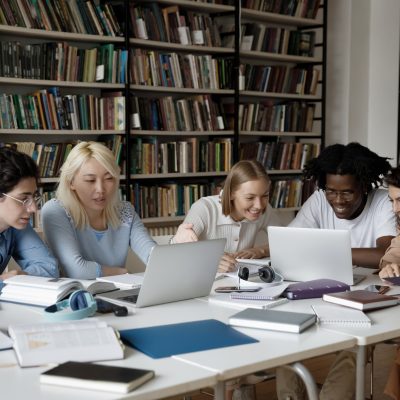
(331, 314)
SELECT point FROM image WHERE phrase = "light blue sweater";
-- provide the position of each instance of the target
(81, 253)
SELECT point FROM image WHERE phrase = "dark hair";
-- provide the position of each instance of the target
(351, 159)
(243, 171)
(15, 166)
(392, 178)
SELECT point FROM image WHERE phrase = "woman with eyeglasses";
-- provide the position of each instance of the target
(19, 199)
(348, 178)
(87, 226)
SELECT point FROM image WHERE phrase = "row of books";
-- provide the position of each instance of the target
(169, 199)
(286, 193)
(48, 109)
(50, 156)
(290, 117)
(295, 8)
(63, 62)
(196, 113)
(280, 79)
(280, 155)
(151, 156)
(259, 37)
(76, 16)
(153, 68)
(171, 24)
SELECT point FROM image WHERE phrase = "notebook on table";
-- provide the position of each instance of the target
(303, 254)
(173, 273)
(331, 314)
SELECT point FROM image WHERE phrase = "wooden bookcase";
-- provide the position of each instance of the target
(163, 162)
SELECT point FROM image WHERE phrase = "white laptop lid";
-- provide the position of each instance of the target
(176, 272)
(302, 254)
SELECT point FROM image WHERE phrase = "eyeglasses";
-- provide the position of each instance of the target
(332, 194)
(37, 199)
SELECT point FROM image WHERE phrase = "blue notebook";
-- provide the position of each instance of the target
(168, 340)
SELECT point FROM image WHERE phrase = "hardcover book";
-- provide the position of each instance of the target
(97, 377)
(274, 320)
(361, 299)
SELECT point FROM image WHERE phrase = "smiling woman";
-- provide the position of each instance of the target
(18, 201)
(238, 214)
(88, 228)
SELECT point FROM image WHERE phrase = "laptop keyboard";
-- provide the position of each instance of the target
(129, 299)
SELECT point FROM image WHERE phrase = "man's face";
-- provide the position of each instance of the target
(344, 195)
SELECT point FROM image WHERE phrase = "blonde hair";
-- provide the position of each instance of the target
(241, 172)
(80, 154)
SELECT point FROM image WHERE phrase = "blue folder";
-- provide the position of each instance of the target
(168, 340)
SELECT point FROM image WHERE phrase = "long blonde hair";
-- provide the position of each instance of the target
(80, 154)
(243, 171)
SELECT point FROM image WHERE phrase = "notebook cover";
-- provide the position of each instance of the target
(167, 340)
(314, 289)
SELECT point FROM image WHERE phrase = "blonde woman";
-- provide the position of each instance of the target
(87, 227)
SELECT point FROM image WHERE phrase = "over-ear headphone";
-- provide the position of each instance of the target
(266, 273)
(80, 304)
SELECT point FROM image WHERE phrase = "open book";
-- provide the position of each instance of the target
(44, 291)
(84, 340)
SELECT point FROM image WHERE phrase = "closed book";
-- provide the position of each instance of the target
(361, 299)
(238, 301)
(314, 288)
(274, 320)
(84, 375)
(331, 314)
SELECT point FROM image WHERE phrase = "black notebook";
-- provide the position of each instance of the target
(97, 377)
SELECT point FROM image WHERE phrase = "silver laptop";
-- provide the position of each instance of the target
(302, 254)
(173, 273)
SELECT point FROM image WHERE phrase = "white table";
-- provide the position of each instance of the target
(173, 377)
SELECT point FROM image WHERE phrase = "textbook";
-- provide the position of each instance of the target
(361, 299)
(83, 340)
(230, 300)
(96, 376)
(273, 320)
(124, 281)
(332, 314)
(45, 291)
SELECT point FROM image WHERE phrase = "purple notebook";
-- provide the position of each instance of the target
(315, 288)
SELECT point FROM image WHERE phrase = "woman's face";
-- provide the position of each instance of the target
(94, 186)
(394, 196)
(344, 195)
(13, 212)
(250, 200)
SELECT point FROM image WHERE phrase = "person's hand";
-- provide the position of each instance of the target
(389, 271)
(9, 274)
(255, 252)
(108, 271)
(227, 263)
(185, 234)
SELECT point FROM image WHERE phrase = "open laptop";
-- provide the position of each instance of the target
(302, 254)
(173, 273)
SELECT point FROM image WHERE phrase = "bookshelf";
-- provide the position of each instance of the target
(188, 105)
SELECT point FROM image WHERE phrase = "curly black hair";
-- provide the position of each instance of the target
(351, 159)
(15, 166)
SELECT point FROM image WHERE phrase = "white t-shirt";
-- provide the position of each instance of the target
(376, 220)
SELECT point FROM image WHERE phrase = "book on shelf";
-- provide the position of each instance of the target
(83, 375)
(44, 291)
(331, 314)
(285, 321)
(361, 299)
(83, 340)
